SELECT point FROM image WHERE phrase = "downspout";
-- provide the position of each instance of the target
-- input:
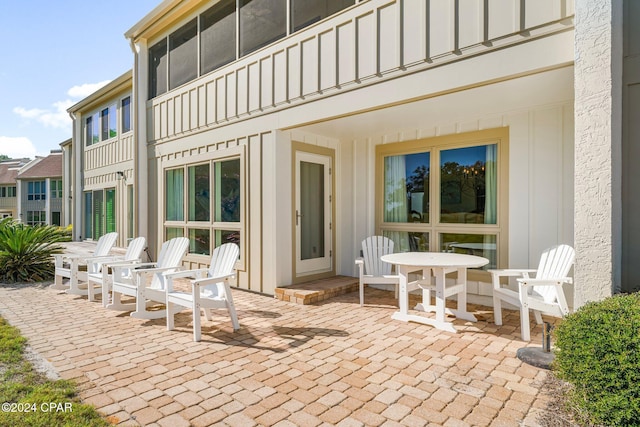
(77, 153)
(140, 155)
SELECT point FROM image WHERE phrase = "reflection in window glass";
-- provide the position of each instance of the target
(110, 210)
(199, 242)
(227, 236)
(406, 188)
(261, 22)
(98, 214)
(104, 124)
(88, 131)
(158, 68)
(408, 241)
(183, 55)
(483, 245)
(468, 185)
(305, 12)
(174, 196)
(95, 135)
(199, 193)
(218, 36)
(227, 181)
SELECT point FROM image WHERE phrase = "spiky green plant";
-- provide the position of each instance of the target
(26, 251)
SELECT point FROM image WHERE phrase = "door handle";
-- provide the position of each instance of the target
(298, 216)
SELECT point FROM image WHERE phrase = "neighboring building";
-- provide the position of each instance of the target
(298, 128)
(101, 162)
(39, 190)
(8, 187)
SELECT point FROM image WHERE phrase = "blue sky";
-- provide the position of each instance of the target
(55, 53)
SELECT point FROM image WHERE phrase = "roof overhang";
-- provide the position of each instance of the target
(162, 16)
(116, 85)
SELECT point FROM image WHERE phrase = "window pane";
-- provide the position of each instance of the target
(88, 131)
(468, 185)
(227, 182)
(55, 218)
(98, 214)
(95, 129)
(227, 236)
(174, 232)
(483, 245)
(104, 124)
(126, 114)
(199, 242)
(406, 188)
(199, 193)
(261, 22)
(88, 215)
(110, 210)
(174, 196)
(408, 241)
(158, 69)
(305, 12)
(183, 55)
(113, 121)
(218, 36)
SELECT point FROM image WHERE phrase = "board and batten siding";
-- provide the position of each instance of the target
(365, 44)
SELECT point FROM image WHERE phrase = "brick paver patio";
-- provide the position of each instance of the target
(332, 363)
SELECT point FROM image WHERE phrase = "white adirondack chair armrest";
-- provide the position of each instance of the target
(559, 281)
(135, 262)
(210, 280)
(511, 272)
(185, 273)
(153, 270)
(181, 274)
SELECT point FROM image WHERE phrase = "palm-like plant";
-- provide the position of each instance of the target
(26, 251)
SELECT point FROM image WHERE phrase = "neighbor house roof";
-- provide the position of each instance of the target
(9, 170)
(43, 167)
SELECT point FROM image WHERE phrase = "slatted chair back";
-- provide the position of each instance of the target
(223, 262)
(555, 263)
(170, 256)
(373, 248)
(105, 243)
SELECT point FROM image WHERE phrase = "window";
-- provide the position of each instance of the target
(95, 129)
(88, 131)
(226, 31)
(126, 114)
(211, 219)
(56, 188)
(99, 212)
(183, 55)
(261, 22)
(55, 219)
(88, 217)
(158, 69)
(37, 190)
(218, 36)
(108, 123)
(7, 191)
(305, 12)
(36, 218)
(444, 194)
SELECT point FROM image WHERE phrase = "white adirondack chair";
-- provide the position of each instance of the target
(76, 267)
(101, 278)
(209, 290)
(373, 271)
(542, 293)
(138, 284)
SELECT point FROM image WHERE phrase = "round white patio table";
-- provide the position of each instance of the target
(440, 264)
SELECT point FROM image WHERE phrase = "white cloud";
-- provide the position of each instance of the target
(84, 90)
(56, 117)
(17, 148)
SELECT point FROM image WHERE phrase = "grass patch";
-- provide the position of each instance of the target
(28, 398)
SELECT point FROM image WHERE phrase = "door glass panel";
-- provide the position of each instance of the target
(468, 185)
(483, 245)
(406, 188)
(312, 210)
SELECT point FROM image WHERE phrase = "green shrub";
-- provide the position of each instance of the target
(26, 251)
(598, 353)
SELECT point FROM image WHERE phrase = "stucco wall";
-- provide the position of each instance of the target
(597, 209)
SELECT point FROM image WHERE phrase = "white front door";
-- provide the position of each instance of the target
(312, 214)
